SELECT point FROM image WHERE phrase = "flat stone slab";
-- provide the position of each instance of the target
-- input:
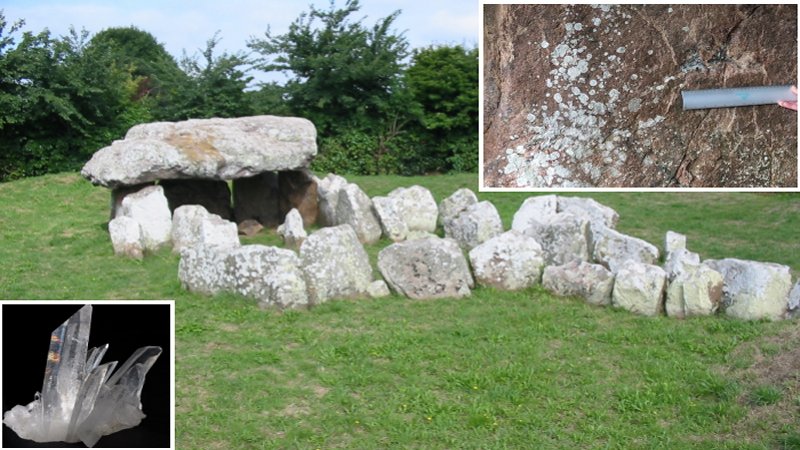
(218, 149)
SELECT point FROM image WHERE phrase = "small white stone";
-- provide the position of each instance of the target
(596, 21)
(621, 50)
(545, 44)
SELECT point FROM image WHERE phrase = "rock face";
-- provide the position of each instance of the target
(355, 209)
(392, 224)
(292, 230)
(474, 225)
(594, 98)
(426, 269)
(592, 282)
(217, 149)
(335, 264)
(753, 290)
(270, 275)
(417, 207)
(694, 293)
(639, 288)
(510, 261)
(149, 208)
(126, 237)
(612, 249)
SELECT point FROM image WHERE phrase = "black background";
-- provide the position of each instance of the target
(26, 341)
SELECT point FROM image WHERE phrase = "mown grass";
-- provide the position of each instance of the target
(496, 370)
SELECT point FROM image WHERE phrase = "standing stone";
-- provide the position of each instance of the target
(474, 225)
(213, 195)
(257, 198)
(217, 232)
(417, 207)
(612, 249)
(451, 206)
(673, 242)
(681, 261)
(535, 211)
(270, 275)
(426, 269)
(149, 208)
(119, 193)
(126, 237)
(355, 209)
(597, 213)
(510, 261)
(202, 269)
(335, 264)
(639, 288)
(591, 282)
(193, 225)
(292, 230)
(328, 196)
(694, 293)
(298, 189)
(563, 238)
(753, 290)
(392, 223)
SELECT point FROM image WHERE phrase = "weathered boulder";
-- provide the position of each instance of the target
(392, 224)
(455, 203)
(612, 249)
(674, 241)
(417, 207)
(217, 149)
(563, 238)
(596, 213)
(193, 225)
(753, 290)
(534, 211)
(354, 208)
(589, 95)
(292, 230)
(335, 264)
(328, 197)
(149, 208)
(474, 225)
(119, 193)
(679, 262)
(213, 195)
(378, 289)
(426, 269)
(509, 261)
(591, 282)
(694, 293)
(270, 275)
(639, 288)
(126, 237)
(202, 269)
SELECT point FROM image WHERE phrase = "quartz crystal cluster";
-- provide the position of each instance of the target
(81, 400)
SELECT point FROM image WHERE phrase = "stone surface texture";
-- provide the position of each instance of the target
(534, 211)
(589, 95)
(354, 208)
(455, 203)
(681, 261)
(218, 149)
(150, 209)
(674, 241)
(202, 269)
(292, 231)
(596, 213)
(639, 288)
(393, 225)
(474, 225)
(193, 225)
(612, 249)
(335, 264)
(126, 237)
(753, 290)
(417, 207)
(591, 282)
(694, 293)
(270, 275)
(509, 261)
(426, 269)
(563, 238)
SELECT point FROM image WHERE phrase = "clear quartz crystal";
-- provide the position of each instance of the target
(81, 400)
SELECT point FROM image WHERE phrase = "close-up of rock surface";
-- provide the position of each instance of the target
(590, 96)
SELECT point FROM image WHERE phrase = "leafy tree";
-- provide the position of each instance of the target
(343, 73)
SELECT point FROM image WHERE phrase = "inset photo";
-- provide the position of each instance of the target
(639, 96)
(87, 374)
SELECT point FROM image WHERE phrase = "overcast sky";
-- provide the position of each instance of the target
(188, 24)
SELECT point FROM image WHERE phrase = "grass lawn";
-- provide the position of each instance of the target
(496, 370)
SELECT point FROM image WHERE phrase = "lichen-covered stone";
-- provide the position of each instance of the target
(426, 269)
(270, 275)
(674, 241)
(753, 290)
(534, 211)
(590, 95)
(455, 203)
(591, 282)
(202, 269)
(474, 225)
(126, 237)
(509, 261)
(596, 213)
(354, 208)
(193, 225)
(149, 208)
(417, 207)
(563, 238)
(392, 223)
(612, 249)
(681, 261)
(291, 230)
(335, 264)
(639, 288)
(694, 293)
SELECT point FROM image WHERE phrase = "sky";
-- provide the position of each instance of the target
(188, 24)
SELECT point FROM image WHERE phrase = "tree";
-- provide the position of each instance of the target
(343, 73)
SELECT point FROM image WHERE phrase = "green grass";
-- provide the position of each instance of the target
(495, 370)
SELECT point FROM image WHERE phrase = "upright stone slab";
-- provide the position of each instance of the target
(328, 197)
(149, 208)
(292, 230)
(417, 206)
(126, 237)
(392, 224)
(509, 261)
(335, 264)
(563, 238)
(639, 288)
(591, 282)
(681, 261)
(355, 209)
(202, 269)
(694, 293)
(270, 275)
(257, 198)
(426, 269)
(475, 225)
(193, 225)
(119, 193)
(753, 290)
(458, 201)
(612, 249)
(213, 195)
